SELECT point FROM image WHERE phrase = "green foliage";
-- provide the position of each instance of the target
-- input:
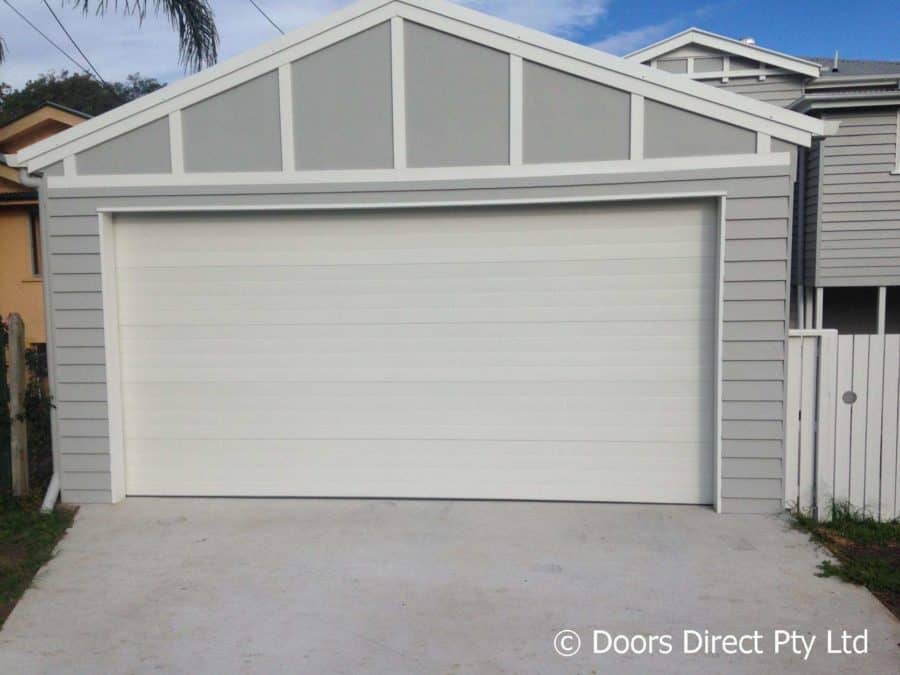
(5, 422)
(27, 540)
(78, 91)
(866, 551)
(38, 404)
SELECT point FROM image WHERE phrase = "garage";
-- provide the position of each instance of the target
(414, 251)
(550, 352)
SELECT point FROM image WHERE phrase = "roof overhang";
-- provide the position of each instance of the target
(844, 100)
(730, 46)
(48, 116)
(531, 45)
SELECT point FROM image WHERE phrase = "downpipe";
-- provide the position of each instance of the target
(53, 489)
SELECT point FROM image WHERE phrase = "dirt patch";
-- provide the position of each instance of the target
(867, 552)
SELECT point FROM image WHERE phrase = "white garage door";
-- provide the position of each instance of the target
(523, 353)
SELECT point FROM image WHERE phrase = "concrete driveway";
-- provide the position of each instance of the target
(308, 586)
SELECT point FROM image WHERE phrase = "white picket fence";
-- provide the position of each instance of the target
(842, 447)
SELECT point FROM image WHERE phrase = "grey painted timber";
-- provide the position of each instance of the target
(457, 101)
(343, 115)
(755, 322)
(780, 90)
(857, 219)
(569, 119)
(672, 132)
(143, 150)
(237, 130)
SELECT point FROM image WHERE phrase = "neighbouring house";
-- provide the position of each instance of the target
(846, 244)
(416, 251)
(21, 285)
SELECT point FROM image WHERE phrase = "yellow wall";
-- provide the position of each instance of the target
(20, 290)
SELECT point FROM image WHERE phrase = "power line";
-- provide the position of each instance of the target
(72, 40)
(44, 35)
(260, 10)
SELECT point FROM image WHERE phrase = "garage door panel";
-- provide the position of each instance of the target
(212, 282)
(444, 469)
(150, 301)
(416, 229)
(549, 353)
(195, 351)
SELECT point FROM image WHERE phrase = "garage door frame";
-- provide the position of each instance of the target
(109, 290)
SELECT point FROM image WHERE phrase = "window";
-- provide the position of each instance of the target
(851, 310)
(35, 236)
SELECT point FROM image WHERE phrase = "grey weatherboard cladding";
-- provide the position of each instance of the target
(755, 295)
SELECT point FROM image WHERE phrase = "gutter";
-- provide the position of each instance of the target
(52, 494)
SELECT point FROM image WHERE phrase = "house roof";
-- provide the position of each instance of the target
(730, 46)
(46, 120)
(532, 45)
(857, 98)
(856, 67)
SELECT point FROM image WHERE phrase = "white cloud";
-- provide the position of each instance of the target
(118, 45)
(627, 41)
(561, 17)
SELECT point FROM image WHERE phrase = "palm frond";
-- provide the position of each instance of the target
(194, 20)
(2, 50)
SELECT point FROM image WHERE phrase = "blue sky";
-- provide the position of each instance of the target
(118, 46)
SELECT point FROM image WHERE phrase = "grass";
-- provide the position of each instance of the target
(27, 540)
(866, 551)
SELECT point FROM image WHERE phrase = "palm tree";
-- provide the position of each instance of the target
(198, 37)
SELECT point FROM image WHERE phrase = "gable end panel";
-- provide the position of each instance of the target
(672, 132)
(237, 130)
(457, 101)
(342, 104)
(568, 119)
(143, 150)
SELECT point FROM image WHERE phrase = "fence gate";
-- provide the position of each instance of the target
(843, 427)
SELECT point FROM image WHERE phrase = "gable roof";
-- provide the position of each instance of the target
(531, 45)
(47, 119)
(730, 46)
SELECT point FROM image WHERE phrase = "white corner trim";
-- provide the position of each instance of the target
(176, 143)
(516, 110)
(398, 91)
(820, 307)
(636, 130)
(286, 115)
(896, 144)
(719, 367)
(726, 67)
(763, 143)
(70, 168)
(690, 65)
(412, 205)
(389, 176)
(882, 309)
(110, 304)
(465, 23)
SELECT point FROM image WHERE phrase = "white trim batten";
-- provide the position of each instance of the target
(882, 309)
(70, 168)
(637, 128)
(375, 205)
(398, 91)
(176, 143)
(110, 304)
(286, 115)
(713, 162)
(516, 110)
(719, 369)
(763, 143)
